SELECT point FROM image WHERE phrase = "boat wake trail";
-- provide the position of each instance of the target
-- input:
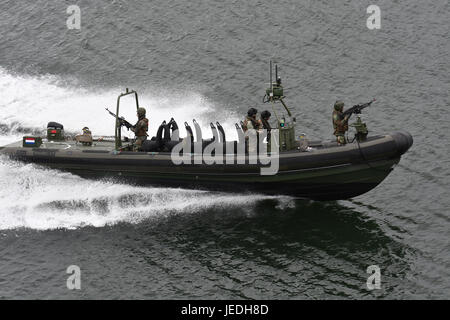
(38, 198)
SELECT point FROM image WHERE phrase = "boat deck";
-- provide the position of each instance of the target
(108, 145)
(103, 145)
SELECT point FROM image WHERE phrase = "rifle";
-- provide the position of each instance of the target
(122, 120)
(357, 108)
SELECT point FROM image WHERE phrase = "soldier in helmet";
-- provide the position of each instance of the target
(265, 117)
(340, 122)
(252, 124)
(250, 121)
(86, 138)
(140, 129)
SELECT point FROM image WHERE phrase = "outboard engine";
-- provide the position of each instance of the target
(55, 131)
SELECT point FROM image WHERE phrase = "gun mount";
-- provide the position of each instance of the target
(360, 127)
(275, 94)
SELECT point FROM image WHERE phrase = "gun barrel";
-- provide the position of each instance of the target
(122, 120)
(111, 113)
(357, 108)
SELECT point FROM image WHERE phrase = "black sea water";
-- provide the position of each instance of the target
(209, 61)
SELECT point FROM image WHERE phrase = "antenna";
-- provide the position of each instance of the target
(271, 90)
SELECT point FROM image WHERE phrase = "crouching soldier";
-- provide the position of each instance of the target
(86, 138)
(140, 129)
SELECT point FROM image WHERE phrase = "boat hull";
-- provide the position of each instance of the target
(327, 173)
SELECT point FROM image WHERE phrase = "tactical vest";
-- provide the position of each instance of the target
(141, 127)
(338, 125)
(250, 123)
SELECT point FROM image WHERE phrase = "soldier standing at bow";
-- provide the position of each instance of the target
(340, 122)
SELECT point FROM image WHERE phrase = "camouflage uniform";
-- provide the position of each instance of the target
(140, 129)
(340, 123)
(251, 123)
(85, 138)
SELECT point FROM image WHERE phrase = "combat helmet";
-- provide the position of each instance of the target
(251, 112)
(265, 115)
(141, 112)
(338, 105)
(86, 130)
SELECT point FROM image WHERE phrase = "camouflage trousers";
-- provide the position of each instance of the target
(340, 138)
(138, 142)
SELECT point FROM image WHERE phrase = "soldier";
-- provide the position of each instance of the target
(86, 138)
(340, 122)
(250, 121)
(140, 129)
(265, 117)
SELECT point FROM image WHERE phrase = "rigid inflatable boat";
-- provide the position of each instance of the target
(318, 170)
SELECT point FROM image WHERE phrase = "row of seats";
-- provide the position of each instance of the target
(167, 136)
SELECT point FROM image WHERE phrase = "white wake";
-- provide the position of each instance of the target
(38, 198)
